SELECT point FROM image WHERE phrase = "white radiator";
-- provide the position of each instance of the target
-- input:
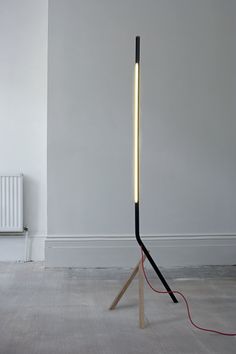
(11, 203)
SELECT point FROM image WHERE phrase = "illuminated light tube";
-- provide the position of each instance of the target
(137, 167)
(136, 132)
(136, 118)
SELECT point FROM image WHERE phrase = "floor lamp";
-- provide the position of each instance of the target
(138, 268)
(137, 166)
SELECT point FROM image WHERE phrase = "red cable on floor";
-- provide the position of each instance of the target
(186, 303)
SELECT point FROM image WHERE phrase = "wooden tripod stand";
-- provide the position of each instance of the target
(137, 270)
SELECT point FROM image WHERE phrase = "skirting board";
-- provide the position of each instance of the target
(12, 248)
(168, 251)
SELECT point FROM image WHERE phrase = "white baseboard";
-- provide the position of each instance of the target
(12, 248)
(168, 251)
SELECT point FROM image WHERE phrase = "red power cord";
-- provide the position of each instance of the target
(186, 303)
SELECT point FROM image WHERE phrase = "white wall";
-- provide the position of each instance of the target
(188, 194)
(188, 126)
(23, 111)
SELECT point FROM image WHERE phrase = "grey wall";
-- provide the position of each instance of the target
(188, 116)
(188, 169)
(23, 115)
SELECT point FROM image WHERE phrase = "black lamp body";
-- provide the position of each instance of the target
(137, 167)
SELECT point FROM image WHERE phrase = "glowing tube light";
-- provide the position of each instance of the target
(136, 120)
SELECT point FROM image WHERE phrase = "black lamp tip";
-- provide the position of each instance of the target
(137, 49)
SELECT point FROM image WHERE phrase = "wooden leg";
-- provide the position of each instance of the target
(141, 296)
(126, 285)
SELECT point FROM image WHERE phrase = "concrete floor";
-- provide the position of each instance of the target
(65, 311)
